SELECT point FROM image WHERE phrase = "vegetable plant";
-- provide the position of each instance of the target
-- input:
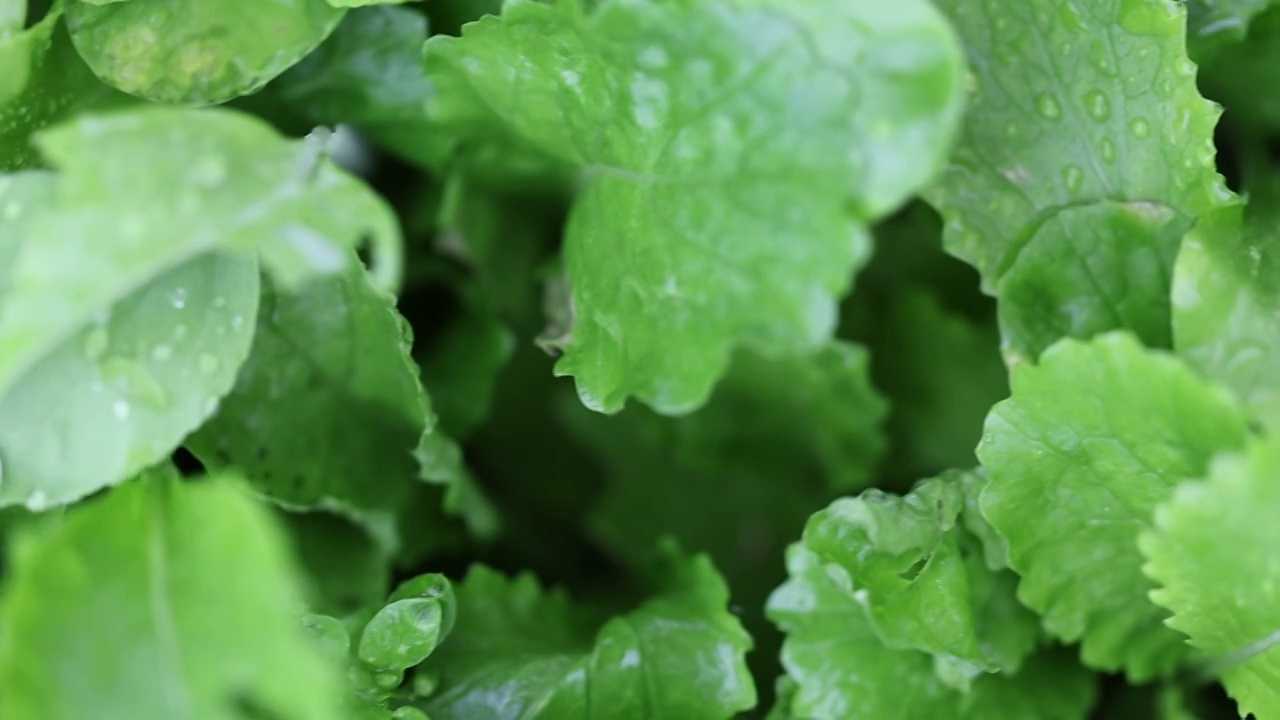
(639, 359)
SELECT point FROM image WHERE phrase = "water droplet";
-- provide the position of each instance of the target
(161, 352)
(120, 409)
(37, 501)
(1048, 106)
(209, 364)
(388, 680)
(237, 322)
(1098, 105)
(1070, 16)
(95, 343)
(11, 210)
(1072, 178)
(1011, 129)
(178, 298)
(179, 332)
(1108, 149)
(1139, 127)
(219, 301)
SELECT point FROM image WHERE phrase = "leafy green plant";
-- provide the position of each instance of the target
(639, 359)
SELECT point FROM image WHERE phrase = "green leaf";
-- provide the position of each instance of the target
(129, 305)
(518, 651)
(1232, 76)
(197, 52)
(844, 671)
(345, 569)
(762, 476)
(1213, 24)
(1225, 295)
(328, 411)
(1087, 152)
(923, 579)
(936, 406)
(833, 415)
(162, 600)
(1091, 441)
(1211, 551)
(45, 81)
(369, 74)
(732, 152)
(461, 364)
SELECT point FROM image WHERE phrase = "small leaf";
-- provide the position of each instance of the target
(1212, 553)
(1092, 440)
(842, 669)
(521, 652)
(401, 634)
(196, 52)
(921, 576)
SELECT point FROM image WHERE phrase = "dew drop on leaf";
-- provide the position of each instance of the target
(1072, 178)
(1048, 106)
(37, 501)
(1098, 105)
(1108, 149)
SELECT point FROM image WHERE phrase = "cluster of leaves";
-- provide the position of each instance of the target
(289, 293)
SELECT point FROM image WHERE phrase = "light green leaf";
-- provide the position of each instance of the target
(13, 15)
(1226, 291)
(197, 52)
(369, 74)
(161, 600)
(731, 152)
(121, 393)
(1212, 553)
(922, 576)
(518, 651)
(328, 411)
(843, 671)
(129, 306)
(1091, 441)
(1087, 152)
